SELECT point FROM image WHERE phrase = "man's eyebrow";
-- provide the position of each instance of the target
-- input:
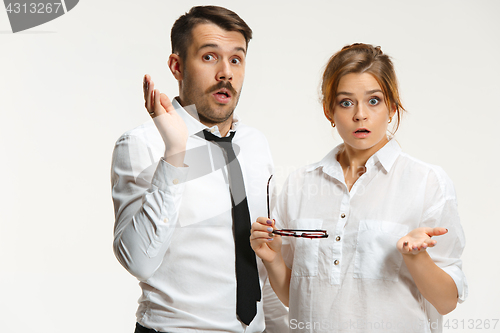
(239, 48)
(369, 92)
(215, 46)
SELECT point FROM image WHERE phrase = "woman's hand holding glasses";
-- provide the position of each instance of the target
(265, 239)
(265, 244)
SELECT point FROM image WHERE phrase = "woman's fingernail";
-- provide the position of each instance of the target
(270, 229)
(270, 239)
(269, 222)
(405, 244)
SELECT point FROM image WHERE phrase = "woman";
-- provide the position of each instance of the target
(381, 268)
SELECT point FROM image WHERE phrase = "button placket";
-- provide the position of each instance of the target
(339, 234)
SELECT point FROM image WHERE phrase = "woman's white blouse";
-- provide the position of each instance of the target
(355, 280)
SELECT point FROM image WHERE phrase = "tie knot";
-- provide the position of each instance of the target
(210, 137)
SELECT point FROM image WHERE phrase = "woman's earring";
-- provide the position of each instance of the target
(390, 119)
(333, 124)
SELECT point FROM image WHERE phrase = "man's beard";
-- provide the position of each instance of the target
(207, 114)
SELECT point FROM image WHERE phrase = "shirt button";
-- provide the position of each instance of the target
(336, 262)
(343, 215)
(212, 130)
(175, 181)
(337, 238)
(165, 220)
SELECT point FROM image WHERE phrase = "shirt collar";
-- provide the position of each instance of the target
(194, 125)
(387, 155)
(329, 164)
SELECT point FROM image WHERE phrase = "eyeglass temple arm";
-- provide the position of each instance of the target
(268, 205)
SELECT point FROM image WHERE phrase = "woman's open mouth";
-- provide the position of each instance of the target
(361, 133)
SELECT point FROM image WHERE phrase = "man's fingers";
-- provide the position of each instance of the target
(151, 94)
(147, 93)
(155, 101)
(166, 103)
(158, 110)
(145, 86)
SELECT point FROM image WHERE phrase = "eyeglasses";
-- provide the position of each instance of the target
(294, 232)
(302, 233)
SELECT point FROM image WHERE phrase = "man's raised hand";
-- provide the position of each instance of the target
(172, 128)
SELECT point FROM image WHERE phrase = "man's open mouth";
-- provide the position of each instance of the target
(222, 96)
(223, 93)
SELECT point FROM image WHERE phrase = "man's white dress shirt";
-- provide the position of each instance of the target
(173, 228)
(356, 280)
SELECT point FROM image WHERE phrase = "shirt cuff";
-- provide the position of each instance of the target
(460, 281)
(169, 178)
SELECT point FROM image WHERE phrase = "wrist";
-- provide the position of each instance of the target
(275, 262)
(175, 156)
(415, 256)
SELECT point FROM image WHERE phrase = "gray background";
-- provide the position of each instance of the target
(71, 87)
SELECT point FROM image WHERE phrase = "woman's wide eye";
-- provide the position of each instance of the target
(374, 101)
(346, 104)
(235, 61)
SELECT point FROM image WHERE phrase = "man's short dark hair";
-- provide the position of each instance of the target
(226, 19)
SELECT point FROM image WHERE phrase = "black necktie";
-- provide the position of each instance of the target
(247, 276)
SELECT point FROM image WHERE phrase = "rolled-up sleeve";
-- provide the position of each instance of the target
(448, 250)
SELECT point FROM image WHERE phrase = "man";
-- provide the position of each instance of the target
(187, 185)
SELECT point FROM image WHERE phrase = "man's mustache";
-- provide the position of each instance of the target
(220, 85)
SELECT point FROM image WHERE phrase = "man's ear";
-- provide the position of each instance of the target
(175, 65)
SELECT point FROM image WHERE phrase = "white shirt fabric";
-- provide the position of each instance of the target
(356, 280)
(173, 228)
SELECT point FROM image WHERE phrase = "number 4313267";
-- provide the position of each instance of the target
(477, 324)
(33, 8)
